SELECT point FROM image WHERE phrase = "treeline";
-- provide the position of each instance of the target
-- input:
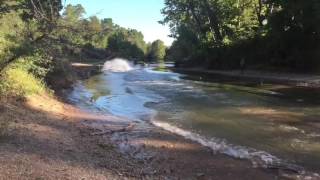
(220, 34)
(112, 39)
(39, 38)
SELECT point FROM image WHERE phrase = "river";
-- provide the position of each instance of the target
(240, 121)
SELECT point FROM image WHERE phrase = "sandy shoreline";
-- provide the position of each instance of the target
(53, 140)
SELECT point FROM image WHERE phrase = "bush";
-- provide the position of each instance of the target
(38, 64)
(61, 76)
(18, 82)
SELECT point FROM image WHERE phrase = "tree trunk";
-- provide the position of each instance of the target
(259, 12)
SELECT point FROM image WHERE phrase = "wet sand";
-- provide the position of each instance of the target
(53, 140)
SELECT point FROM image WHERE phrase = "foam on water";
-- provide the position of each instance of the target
(258, 158)
(117, 65)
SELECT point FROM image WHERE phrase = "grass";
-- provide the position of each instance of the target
(18, 82)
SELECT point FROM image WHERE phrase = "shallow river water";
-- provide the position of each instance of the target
(239, 121)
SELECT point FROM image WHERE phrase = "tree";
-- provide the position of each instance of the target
(40, 17)
(203, 17)
(45, 12)
(296, 16)
(4, 7)
(157, 51)
(107, 24)
(73, 13)
(123, 43)
(72, 25)
(94, 25)
(215, 32)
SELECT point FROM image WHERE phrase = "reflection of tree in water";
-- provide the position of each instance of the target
(161, 67)
(97, 87)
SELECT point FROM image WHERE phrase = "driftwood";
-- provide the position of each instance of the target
(125, 129)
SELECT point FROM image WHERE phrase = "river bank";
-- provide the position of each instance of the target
(290, 86)
(50, 139)
(258, 77)
(53, 140)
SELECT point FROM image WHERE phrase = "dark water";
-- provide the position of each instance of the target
(240, 121)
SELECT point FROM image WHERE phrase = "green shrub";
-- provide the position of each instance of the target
(38, 64)
(11, 34)
(61, 76)
(17, 81)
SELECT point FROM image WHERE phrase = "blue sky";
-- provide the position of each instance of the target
(142, 15)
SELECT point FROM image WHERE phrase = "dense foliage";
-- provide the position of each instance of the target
(266, 33)
(39, 38)
(156, 51)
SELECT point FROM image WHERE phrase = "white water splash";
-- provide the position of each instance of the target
(117, 65)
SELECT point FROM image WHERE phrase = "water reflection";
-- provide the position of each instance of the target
(96, 86)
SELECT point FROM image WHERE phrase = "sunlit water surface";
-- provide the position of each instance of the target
(243, 122)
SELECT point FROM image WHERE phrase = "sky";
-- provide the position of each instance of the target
(142, 15)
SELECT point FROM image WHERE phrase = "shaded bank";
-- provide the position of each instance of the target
(62, 81)
(85, 70)
(255, 77)
(291, 86)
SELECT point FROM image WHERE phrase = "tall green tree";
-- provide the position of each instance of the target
(156, 51)
(127, 44)
(220, 31)
(45, 12)
(73, 13)
(40, 18)
(72, 26)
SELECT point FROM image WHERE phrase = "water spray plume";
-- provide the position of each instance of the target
(117, 65)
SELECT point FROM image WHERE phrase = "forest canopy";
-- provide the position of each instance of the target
(39, 39)
(218, 33)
